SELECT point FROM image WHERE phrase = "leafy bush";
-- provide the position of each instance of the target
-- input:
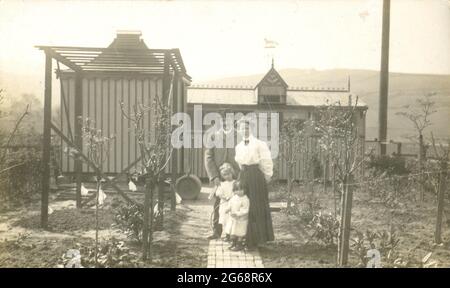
(305, 209)
(21, 178)
(411, 260)
(326, 228)
(359, 247)
(385, 242)
(391, 190)
(112, 254)
(129, 219)
(391, 165)
(316, 167)
(430, 179)
(388, 244)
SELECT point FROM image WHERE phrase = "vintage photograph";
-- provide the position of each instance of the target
(225, 134)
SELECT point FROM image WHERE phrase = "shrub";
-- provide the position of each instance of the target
(391, 165)
(326, 228)
(129, 219)
(386, 243)
(112, 254)
(316, 167)
(20, 183)
(305, 209)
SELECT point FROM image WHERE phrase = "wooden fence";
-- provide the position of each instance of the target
(402, 149)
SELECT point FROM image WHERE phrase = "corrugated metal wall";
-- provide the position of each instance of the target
(194, 161)
(101, 103)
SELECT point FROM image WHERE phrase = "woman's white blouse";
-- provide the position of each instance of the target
(255, 152)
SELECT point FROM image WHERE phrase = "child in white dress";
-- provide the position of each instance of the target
(239, 206)
(225, 192)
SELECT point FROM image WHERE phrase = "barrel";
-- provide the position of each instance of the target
(188, 187)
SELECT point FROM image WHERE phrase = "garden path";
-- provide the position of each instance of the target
(219, 256)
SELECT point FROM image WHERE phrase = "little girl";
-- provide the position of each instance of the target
(225, 192)
(239, 205)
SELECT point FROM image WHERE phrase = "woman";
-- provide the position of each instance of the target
(255, 161)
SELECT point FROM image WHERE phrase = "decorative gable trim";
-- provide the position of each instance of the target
(273, 78)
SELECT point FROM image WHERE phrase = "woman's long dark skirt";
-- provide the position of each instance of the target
(260, 228)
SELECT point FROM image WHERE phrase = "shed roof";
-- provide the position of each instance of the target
(231, 96)
(249, 96)
(127, 53)
(320, 98)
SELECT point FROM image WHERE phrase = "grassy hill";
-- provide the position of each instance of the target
(404, 89)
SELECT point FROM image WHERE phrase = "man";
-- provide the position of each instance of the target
(214, 158)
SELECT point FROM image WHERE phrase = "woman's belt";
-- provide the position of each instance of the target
(250, 166)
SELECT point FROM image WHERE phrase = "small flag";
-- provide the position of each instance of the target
(156, 210)
(132, 186)
(270, 43)
(101, 196)
(84, 191)
(178, 198)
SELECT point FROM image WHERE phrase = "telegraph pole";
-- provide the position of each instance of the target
(384, 78)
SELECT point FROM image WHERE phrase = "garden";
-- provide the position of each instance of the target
(365, 211)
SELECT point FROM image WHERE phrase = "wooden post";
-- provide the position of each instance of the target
(166, 78)
(78, 134)
(346, 221)
(176, 152)
(334, 190)
(166, 97)
(441, 200)
(151, 220)
(399, 149)
(289, 186)
(145, 229)
(324, 176)
(384, 78)
(421, 160)
(46, 145)
(160, 219)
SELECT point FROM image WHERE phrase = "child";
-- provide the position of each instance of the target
(225, 191)
(239, 205)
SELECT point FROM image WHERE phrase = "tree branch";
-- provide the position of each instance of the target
(12, 134)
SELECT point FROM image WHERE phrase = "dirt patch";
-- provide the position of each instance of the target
(413, 222)
(70, 220)
(181, 243)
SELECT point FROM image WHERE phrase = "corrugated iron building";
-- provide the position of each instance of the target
(127, 72)
(271, 95)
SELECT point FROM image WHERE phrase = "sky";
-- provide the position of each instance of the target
(219, 39)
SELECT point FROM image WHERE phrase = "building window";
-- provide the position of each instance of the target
(271, 99)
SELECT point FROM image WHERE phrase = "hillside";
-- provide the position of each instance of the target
(403, 89)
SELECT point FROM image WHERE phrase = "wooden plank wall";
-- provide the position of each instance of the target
(101, 103)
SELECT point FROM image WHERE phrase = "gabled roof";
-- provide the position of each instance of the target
(248, 95)
(273, 78)
(127, 53)
(130, 44)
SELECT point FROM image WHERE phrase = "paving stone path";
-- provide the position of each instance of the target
(219, 256)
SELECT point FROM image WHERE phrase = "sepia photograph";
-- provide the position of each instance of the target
(225, 134)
